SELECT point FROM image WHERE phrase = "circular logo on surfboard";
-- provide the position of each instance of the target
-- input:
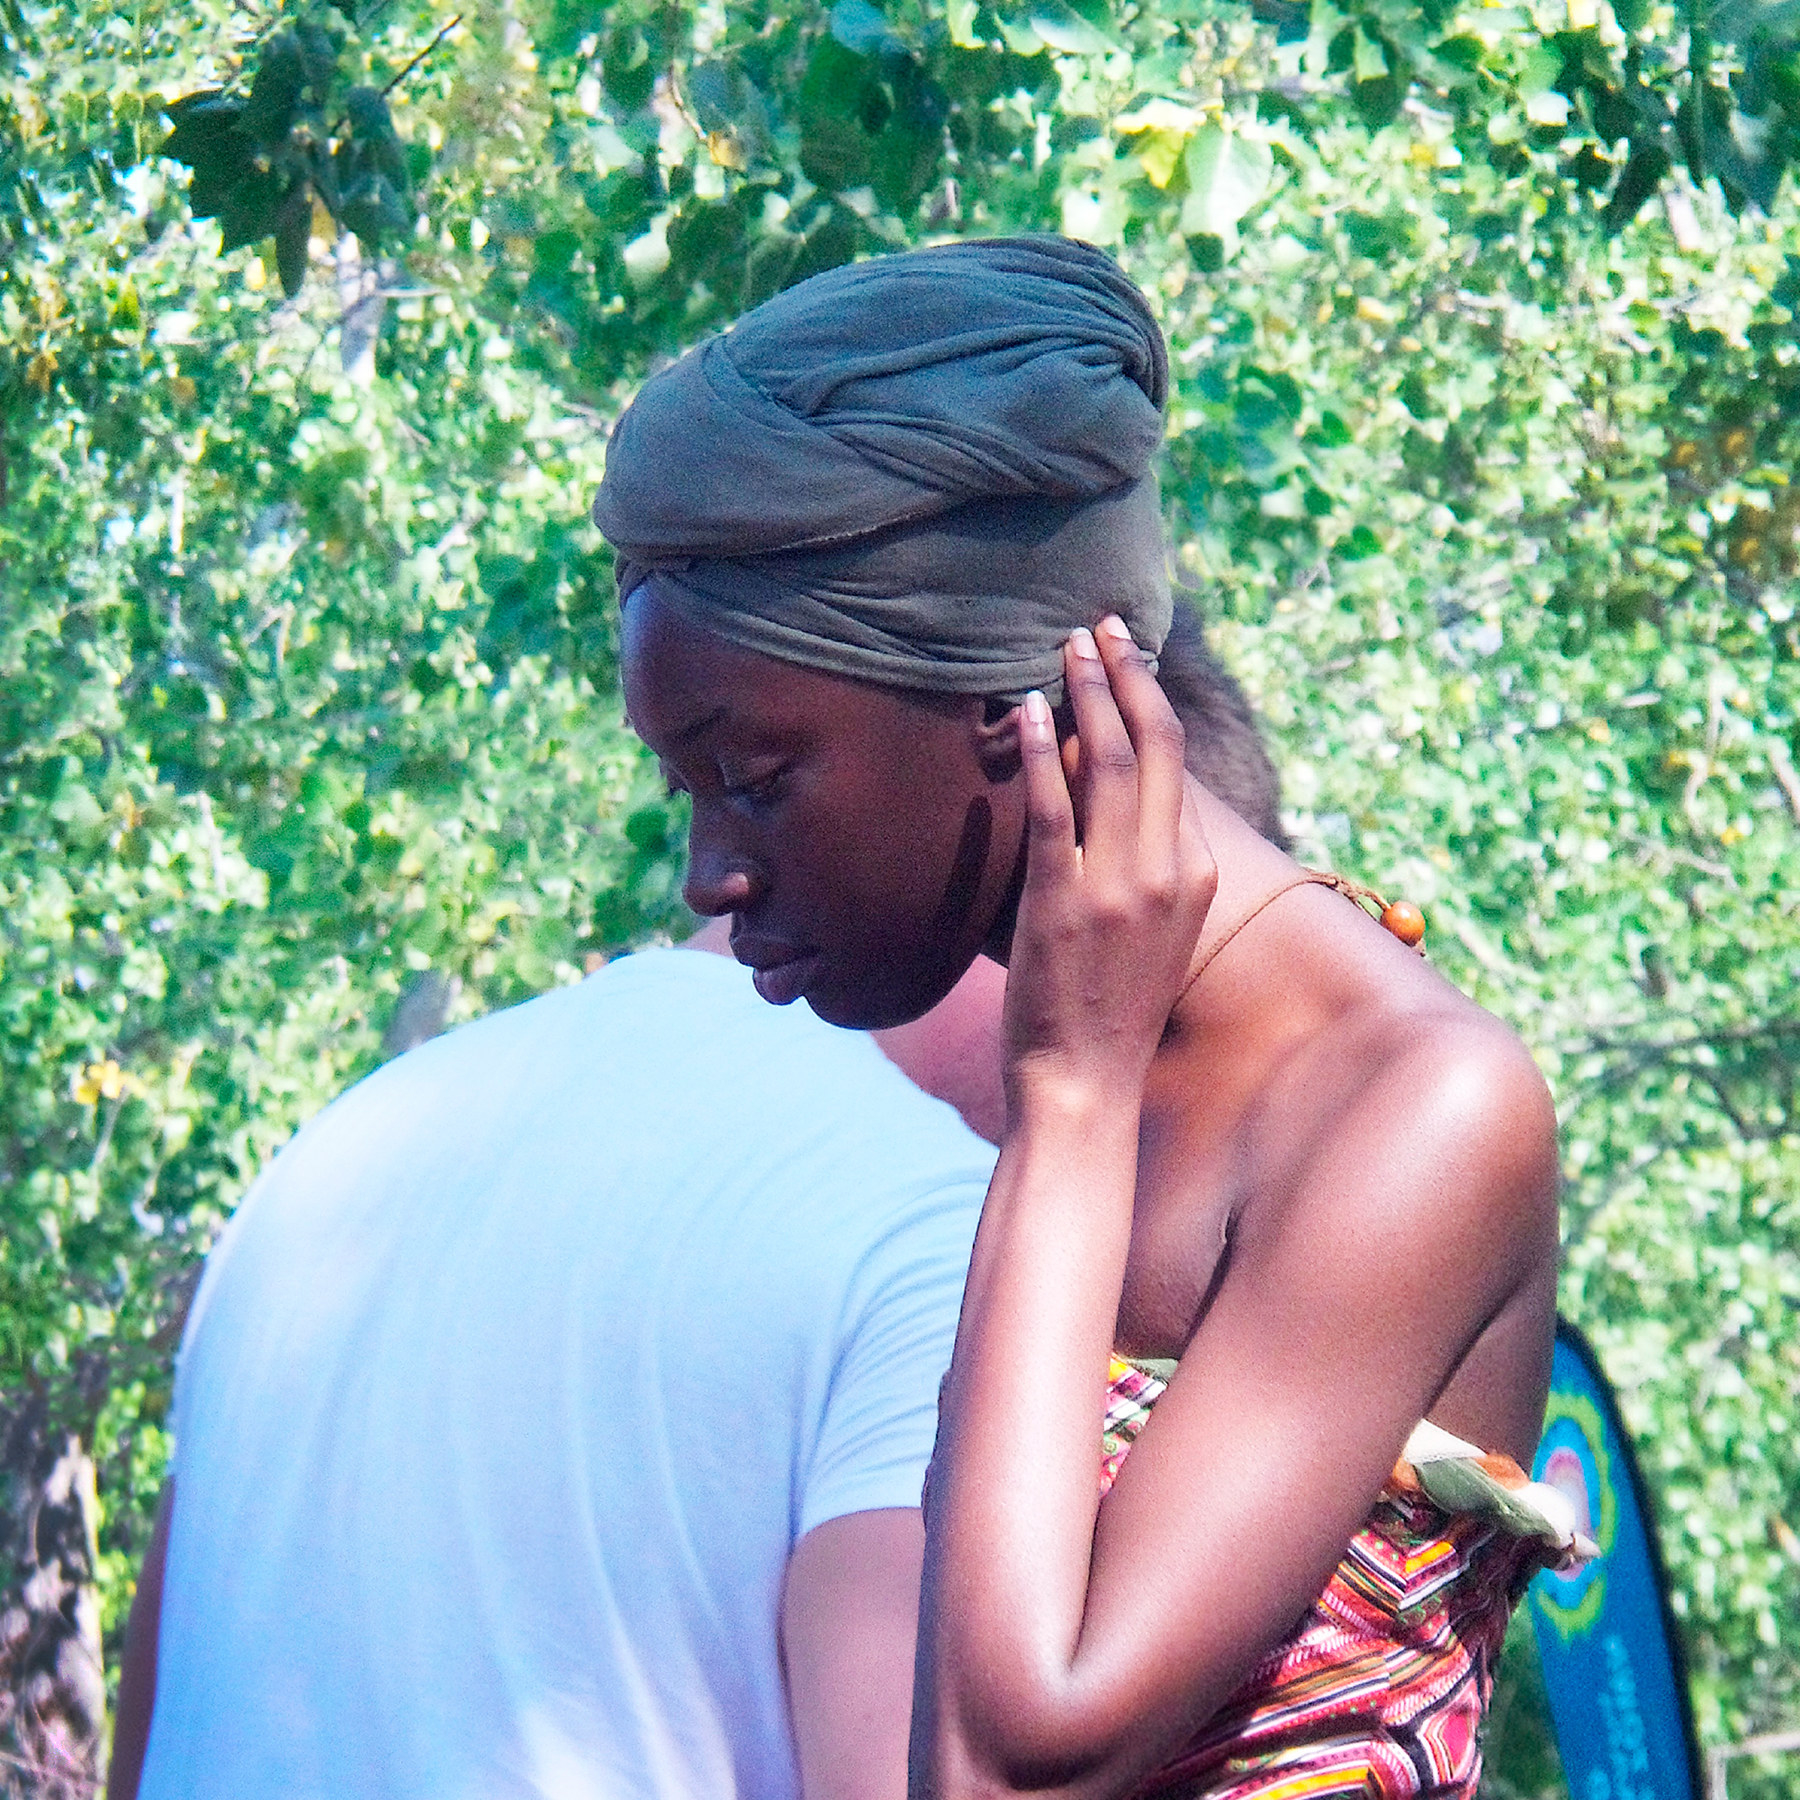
(1572, 1459)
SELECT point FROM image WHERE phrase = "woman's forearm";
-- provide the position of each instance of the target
(1011, 1695)
(1016, 1491)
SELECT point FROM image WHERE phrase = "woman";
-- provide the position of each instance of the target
(891, 563)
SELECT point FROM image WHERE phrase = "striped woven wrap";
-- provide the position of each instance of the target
(1380, 1691)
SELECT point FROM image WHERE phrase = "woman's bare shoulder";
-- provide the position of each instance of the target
(1419, 1128)
(1470, 1071)
(1447, 1092)
(1412, 1203)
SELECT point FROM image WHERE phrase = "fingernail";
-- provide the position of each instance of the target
(1081, 641)
(1037, 708)
(1115, 627)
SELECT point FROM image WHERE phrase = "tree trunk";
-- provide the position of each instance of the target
(52, 1679)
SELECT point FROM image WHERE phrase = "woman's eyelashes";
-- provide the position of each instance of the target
(758, 787)
(754, 785)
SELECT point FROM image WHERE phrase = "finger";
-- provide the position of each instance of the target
(1049, 811)
(1106, 782)
(1158, 743)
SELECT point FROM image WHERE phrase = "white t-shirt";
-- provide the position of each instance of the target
(517, 1378)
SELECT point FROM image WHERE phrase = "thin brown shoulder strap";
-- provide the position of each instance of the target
(1353, 891)
(1306, 878)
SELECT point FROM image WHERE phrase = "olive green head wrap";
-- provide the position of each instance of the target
(922, 470)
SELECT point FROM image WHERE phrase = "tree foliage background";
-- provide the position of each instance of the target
(1487, 403)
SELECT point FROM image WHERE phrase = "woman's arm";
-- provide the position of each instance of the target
(1067, 1648)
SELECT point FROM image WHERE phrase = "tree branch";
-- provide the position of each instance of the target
(1787, 778)
(443, 33)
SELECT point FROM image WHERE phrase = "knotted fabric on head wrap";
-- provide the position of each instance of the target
(922, 470)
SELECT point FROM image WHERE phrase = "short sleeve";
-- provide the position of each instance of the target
(880, 1419)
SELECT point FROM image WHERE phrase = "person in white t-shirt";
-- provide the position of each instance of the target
(552, 1417)
(518, 1378)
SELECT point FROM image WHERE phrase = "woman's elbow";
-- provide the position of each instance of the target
(1019, 1747)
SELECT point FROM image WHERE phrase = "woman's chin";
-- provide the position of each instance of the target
(879, 1004)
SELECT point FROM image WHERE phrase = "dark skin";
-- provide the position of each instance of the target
(814, 760)
(1318, 1176)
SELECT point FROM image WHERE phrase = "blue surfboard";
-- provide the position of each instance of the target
(1611, 1656)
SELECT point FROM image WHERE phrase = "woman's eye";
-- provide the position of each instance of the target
(755, 787)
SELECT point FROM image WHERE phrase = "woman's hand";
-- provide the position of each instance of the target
(1118, 880)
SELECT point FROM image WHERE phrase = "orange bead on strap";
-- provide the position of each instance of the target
(1400, 917)
(1405, 921)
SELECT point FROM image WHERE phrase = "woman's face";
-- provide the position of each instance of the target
(865, 842)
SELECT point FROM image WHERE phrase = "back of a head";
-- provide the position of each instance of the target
(1225, 749)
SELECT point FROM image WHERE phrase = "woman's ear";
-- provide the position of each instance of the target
(997, 740)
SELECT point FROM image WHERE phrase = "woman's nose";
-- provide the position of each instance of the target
(720, 879)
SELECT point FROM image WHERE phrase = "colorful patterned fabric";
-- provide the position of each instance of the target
(1379, 1692)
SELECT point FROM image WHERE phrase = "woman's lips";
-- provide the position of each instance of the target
(782, 983)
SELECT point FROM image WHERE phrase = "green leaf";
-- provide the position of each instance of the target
(1206, 251)
(275, 95)
(1542, 68)
(1282, 388)
(838, 104)
(864, 29)
(220, 170)
(1378, 101)
(1378, 237)
(960, 16)
(1459, 60)
(203, 122)
(248, 213)
(1227, 175)
(373, 208)
(319, 54)
(1638, 180)
(648, 827)
(373, 126)
(1056, 23)
(1331, 432)
(1368, 60)
(1738, 22)
(1748, 154)
(627, 68)
(726, 101)
(293, 231)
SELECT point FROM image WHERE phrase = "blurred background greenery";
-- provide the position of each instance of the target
(1487, 400)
